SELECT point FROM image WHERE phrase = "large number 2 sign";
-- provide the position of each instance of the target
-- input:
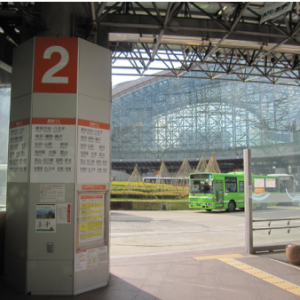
(55, 65)
(64, 59)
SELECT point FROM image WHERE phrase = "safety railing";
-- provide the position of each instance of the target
(249, 221)
(288, 226)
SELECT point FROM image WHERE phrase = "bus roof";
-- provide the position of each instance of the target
(240, 174)
(220, 174)
(280, 175)
(237, 173)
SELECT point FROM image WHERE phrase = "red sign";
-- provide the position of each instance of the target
(55, 65)
(19, 123)
(69, 214)
(93, 187)
(91, 197)
(93, 124)
(53, 121)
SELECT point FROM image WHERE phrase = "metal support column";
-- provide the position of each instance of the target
(248, 201)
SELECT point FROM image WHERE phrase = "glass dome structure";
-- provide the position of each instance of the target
(168, 118)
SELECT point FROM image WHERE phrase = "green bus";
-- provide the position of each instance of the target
(210, 191)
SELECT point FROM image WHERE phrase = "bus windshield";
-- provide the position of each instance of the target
(203, 186)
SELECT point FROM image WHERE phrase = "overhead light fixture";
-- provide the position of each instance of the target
(222, 9)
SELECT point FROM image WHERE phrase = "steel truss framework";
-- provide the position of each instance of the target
(177, 118)
(211, 40)
(204, 40)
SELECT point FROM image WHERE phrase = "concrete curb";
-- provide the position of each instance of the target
(149, 205)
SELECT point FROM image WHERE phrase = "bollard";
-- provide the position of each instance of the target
(292, 252)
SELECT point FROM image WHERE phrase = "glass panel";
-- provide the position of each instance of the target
(221, 191)
(201, 186)
(217, 190)
(5, 84)
(230, 184)
(276, 168)
(241, 186)
(276, 208)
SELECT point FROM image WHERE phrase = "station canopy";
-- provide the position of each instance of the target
(248, 42)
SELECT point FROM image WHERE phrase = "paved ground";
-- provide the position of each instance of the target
(175, 255)
(218, 274)
(147, 232)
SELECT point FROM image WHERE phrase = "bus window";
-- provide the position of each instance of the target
(201, 186)
(286, 183)
(241, 186)
(230, 184)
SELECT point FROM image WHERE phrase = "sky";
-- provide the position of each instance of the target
(116, 79)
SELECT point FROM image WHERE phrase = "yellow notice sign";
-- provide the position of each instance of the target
(91, 218)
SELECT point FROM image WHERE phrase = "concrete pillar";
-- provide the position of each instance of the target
(57, 226)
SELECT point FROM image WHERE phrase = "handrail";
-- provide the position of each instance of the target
(288, 227)
(270, 220)
(269, 228)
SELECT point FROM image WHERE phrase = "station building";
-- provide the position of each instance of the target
(168, 119)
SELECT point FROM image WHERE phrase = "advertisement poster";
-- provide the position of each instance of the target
(80, 260)
(18, 151)
(93, 152)
(45, 218)
(92, 259)
(102, 256)
(52, 193)
(91, 217)
(63, 213)
(52, 150)
(271, 182)
(259, 182)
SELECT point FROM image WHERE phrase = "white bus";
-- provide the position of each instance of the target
(154, 179)
(287, 182)
(167, 180)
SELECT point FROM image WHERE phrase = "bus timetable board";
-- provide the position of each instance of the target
(91, 223)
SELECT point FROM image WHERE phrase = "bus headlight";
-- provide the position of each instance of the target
(208, 203)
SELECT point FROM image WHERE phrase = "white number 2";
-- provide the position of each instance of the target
(64, 59)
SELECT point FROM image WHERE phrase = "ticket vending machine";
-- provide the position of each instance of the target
(58, 200)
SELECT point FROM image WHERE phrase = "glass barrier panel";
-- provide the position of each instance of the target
(5, 90)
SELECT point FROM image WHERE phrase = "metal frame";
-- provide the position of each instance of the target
(248, 202)
(208, 40)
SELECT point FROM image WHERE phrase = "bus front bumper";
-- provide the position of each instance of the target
(201, 205)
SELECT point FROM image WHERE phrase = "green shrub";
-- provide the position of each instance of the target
(148, 195)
